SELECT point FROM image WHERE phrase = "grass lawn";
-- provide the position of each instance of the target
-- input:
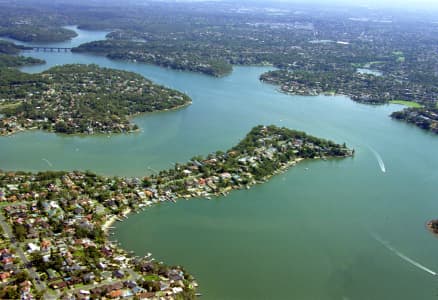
(79, 253)
(9, 105)
(406, 103)
(151, 278)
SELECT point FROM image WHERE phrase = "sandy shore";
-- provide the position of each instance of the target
(108, 223)
(114, 218)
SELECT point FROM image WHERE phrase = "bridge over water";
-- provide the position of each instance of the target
(49, 49)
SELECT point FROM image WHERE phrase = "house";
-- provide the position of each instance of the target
(176, 275)
(146, 295)
(58, 285)
(138, 290)
(142, 195)
(225, 175)
(115, 294)
(115, 286)
(32, 247)
(4, 276)
(8, 266)
(98, 291)
(79, 210)
(164, 285)
(99, 209)
(7, 260)
(25, 286)
(45, 245)
(84, 292)
(12, 187)
(118, 274)
(88, 277)
(130, 284)
(52, 273)
(127, 294)
(101, 265)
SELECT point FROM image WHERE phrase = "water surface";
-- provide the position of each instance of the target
(307, 234)
(369, 71)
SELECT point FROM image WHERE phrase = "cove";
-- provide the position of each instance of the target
(306, 234)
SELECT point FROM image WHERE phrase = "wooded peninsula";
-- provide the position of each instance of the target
(9, 57)
(85, 99)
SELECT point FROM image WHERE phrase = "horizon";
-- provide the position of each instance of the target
(401, 4)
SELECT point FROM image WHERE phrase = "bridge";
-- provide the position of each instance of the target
(49, 49)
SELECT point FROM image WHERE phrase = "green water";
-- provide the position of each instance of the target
(308, 233)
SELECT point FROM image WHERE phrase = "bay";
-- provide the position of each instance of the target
(307, 234)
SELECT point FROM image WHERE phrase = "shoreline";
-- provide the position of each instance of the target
(265, 152)
(107, 225)
(430, 227)
(82, 134)
(279, 89)
(178, 107)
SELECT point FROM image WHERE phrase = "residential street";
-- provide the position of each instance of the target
(8, 231)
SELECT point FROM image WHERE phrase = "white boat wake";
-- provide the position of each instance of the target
(388, 246)
(48, 162)
(379, 159)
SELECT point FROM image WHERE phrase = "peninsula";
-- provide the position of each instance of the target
(433, 226)
(421, 98)
(360, 87)
(10, 48)
(372, 61)
(9, 57)
(10, 61)
(161, 54)
(28, 31)
(86, 99)
(423, 117)
(54, 224)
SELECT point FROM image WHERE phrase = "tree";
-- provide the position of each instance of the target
(22, 276)
(20, 231)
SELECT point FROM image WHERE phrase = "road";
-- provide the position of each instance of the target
(19, 250)
(40, 286)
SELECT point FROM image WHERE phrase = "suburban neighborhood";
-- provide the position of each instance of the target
(55, 225)
(80, 99)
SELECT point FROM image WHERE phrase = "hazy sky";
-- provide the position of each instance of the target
(391, 3)
(424, 5)
(418, 4)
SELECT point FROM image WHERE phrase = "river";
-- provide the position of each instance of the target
(319, 231)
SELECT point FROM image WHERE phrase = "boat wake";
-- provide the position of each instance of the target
(48, 162)
(379, 159)
(388, 246)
